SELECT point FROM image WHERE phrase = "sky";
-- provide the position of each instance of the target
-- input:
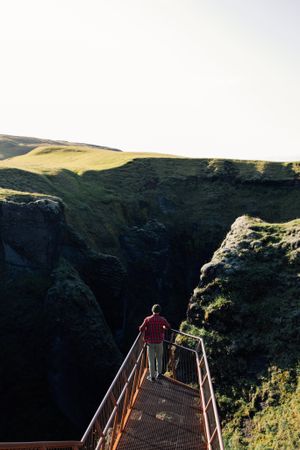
(197, 78)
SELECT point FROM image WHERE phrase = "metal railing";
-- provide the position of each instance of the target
(109, 420)
(188, 361)
(184, 362)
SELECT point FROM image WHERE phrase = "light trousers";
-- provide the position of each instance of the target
(155, 354)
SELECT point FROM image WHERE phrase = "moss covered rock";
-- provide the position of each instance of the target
(82, 356)
(246, 306)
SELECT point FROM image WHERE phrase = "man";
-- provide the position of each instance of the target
(154, 328)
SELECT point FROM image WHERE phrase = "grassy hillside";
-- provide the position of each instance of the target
(114, 189)
(78, 159)
(164, 217)
(11, 146)
(112, 198)
(82, 158)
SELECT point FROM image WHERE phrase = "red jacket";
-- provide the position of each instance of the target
(154, 327)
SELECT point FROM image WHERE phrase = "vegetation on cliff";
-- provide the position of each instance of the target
(160, 218)
(246, 306)
(109, 196)
(269, 419)
(117, 189)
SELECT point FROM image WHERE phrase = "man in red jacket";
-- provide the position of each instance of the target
(154, 332)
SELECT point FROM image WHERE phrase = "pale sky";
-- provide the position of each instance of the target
(198, 78)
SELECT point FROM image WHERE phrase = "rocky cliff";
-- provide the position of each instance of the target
(128, 230)
(246, 306)
(57, 352)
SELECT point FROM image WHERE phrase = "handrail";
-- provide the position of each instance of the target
(108, 422)
(211, 403)
(197, 338)
(110, 388)
(113, 410)
(214, 403)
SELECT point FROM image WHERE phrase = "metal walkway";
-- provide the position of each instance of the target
(165, 416)
(177, 413)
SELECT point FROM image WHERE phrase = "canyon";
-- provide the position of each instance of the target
(90, 238)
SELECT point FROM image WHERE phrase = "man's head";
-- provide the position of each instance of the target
(156, 309)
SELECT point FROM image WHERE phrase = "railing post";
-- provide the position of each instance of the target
(133, 386)
(142, 364)
(98, 428)
(124, 410)
(113, 433)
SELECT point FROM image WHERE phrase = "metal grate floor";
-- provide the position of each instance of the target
(165, 416)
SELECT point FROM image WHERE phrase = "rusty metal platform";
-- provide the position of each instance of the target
(165, 416)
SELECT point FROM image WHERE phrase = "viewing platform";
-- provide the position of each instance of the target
(166, 415)
(176, 412)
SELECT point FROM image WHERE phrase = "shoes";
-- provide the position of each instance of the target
(159, 376)
(150, 378)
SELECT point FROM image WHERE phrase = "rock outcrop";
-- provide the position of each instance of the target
(137, 230)
(58, 352)
(81, 352)
(246, 307)
(31, 233)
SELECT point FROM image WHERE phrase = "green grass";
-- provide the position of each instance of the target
(105, 191)
(80, 159)
(270, 419)
(11, 146)
(108, 194)
(50, 159)
(20, 196)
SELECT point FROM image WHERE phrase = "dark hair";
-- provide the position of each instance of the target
(156, 308)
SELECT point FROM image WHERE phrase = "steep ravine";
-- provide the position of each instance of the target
(116, 240)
